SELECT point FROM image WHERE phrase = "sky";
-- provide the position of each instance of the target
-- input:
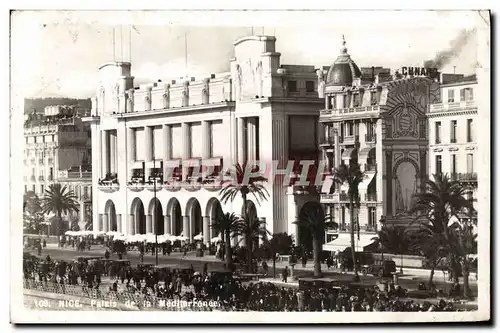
(57, 54)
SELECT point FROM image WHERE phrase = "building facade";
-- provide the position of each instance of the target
(149, 141)
(453, 145)
(376, 119)
(58, 150)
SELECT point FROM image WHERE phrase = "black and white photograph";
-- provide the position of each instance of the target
(250, 166)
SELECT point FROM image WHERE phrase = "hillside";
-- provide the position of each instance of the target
(39, 104)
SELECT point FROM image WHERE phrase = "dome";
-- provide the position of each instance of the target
(344, 70)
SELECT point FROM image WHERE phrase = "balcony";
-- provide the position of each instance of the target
(136, 185)
(172, 185)
(370, 138)
(358, 109)
(440, 107)
(371, 197)
(370, 168)
(464, 177)
(328, 142)
(109, 183)
(212, 183)
(329, 198)
(154, 184)
(192, 184)
(349, 140)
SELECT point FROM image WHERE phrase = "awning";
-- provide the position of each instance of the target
(155, 164)
(344, 241)
(215, 161)
(193, 162)
(347, 153)
(365, 153)
(366, 181)
(327, 185)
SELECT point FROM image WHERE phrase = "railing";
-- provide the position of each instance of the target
(372, 108)
(212, 183)
(349, 139)
(370, 138)
(472, 176)
(449, 106)
(370, 197)
(328, 142)
(328, 198)
(371, 167)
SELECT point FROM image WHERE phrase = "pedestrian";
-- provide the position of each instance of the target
(285, 274)
(44, 243)
(304, 261)
(185, 252)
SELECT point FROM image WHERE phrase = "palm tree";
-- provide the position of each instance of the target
(226, 224)
(315, 221)
(59, 200)
(241, 186)
(352, 176)
(253, 229)
(442, 200)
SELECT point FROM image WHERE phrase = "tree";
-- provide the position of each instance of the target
(59, 200)
(32, 216)
(393, 239)
(442, 199)
(464, 235)
(74, 223)
(253, 229)
(227, 225)
(315, 221)
(240, 186)
(280, 243)
(352, 176)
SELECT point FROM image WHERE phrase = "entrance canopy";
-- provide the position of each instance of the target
(366, 181)
(344, 241)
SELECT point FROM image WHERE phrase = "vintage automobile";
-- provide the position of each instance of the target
(380, 268)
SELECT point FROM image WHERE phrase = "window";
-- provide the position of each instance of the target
(343, 217)
(333, 101)
(372, 217)
(33, 172)
(356, 100)
(422, 129)
(439, 166)
(451, 96)
(469, 130)
(350, 129)
(453, 165)
(373, 97)
(292, 86)
(309, 86)
(438, 132)
(33, 188)
(453, 132)
(41, 189)
(470, 163)
(35, 138)
(466, 94)
(26, 139)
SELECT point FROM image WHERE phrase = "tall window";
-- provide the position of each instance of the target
(25, 188)
(439, 165)
(41, 189)
(470, 163)
(453, 164)
(356, 100)
(350, 129)
(51, 173)
(343, 216)
(466, 94)
(371, 216)
(333, 101)
(345, 101)
(33, 188)
(373, 97)
(292, 86)
(438, 132)
(451, 96)
(469, 130)
(309, 86)
(453, 132)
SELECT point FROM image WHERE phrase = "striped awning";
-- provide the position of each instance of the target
(347, 154)
(344, 241)
(366, 152)
(366, 181)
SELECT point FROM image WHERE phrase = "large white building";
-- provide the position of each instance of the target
(453, 145)
(146, 141)
(57, 150)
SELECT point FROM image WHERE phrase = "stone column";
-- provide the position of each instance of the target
(167, 147)
(148, 150)
(186, 148)
(234, 138)
(241, 141)
(105, 222)
(206, 143)
(100, 223)
(297, 229)
(206, 228)
(185, 227)
(131, 225)
(252, 139)
(119, 222)
(157, 221)
(112, 152)
(104, 153)
(130, 150)
(82, 211)
(389, 181)
(167, 224)
(137, 222)
(149, 224)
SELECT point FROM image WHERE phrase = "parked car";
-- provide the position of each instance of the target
(380, 268)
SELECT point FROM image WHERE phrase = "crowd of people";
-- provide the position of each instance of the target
(229, 292)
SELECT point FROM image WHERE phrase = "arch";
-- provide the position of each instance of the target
(174, 210)
(305, 236)
(213, 205)
(137, 209)
(110, 210)
(193, 211)
(405, 159)
(251, 208)
(155, 209)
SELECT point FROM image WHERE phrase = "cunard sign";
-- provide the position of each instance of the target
(419, 71)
